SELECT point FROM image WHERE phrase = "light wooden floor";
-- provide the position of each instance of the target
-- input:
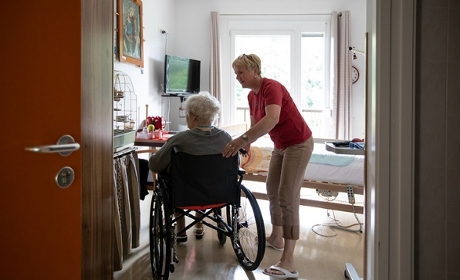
(317, 257)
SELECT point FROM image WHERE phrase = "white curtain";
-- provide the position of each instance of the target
(215, 71)
(341, 76)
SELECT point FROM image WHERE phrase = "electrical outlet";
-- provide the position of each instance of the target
(351, 195)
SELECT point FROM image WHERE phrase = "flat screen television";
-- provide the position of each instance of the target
(181, 75)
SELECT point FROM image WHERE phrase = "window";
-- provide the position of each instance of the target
(314, 90)
(276, 66)
(293, 50)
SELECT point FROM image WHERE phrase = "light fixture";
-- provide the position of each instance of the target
(181, 108)
(352, 49)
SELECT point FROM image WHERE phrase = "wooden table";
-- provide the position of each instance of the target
(152, 142)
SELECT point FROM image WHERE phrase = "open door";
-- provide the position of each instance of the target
(47, 226)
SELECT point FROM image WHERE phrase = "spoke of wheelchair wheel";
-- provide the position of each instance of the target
(245, 257)
(246, 219)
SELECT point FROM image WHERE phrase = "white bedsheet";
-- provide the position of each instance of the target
(352, 173)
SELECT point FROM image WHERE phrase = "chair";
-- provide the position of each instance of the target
(206, 184)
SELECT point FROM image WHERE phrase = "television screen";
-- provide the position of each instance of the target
(181, 75)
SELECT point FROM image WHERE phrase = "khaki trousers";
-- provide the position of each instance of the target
(284, 180)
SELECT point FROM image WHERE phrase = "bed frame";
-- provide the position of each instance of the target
(236, 130)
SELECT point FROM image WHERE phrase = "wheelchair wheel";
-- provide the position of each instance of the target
(250, 245)
(160, 235)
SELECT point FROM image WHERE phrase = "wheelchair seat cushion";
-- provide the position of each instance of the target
(203, 179)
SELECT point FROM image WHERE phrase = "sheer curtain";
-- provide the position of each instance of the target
(215, 71)
(341, 76)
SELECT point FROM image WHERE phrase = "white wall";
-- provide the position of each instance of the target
(146, 81)
(187, 23)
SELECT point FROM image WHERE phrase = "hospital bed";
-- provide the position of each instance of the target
(327, 172)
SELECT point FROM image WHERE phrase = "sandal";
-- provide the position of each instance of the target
(182, 239)
(199, 232)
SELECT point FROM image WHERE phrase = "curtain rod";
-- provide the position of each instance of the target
(328, 14)
(124, 152)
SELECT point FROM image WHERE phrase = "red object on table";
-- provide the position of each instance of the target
(156, 121)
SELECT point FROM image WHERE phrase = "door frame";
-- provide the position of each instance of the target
(97, 139)
(390, 140)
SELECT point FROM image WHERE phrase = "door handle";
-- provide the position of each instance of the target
(65, 146)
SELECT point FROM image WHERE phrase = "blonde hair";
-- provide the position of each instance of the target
(204, 106)
(248, 61)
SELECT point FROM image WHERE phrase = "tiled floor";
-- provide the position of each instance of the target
(317, 257)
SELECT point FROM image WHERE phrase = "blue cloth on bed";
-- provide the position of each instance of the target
(332, 159)
(357, 145)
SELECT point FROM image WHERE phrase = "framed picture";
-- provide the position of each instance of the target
(130, 37)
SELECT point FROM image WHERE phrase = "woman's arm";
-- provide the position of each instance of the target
(160, 160)
(267, 123)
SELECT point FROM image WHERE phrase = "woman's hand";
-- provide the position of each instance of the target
(234, 146)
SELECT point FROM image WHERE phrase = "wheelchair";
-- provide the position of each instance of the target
(209, 185)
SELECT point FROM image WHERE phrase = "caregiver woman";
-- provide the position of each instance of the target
(273, 111)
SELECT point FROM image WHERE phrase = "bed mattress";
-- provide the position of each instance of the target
(324, 166)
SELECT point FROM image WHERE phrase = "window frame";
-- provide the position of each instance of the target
(292, 25)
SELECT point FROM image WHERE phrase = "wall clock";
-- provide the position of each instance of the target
(354, 74)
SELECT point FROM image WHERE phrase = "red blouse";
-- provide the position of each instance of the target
(291, 128)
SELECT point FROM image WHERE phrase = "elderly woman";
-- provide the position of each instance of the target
(202, 138)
